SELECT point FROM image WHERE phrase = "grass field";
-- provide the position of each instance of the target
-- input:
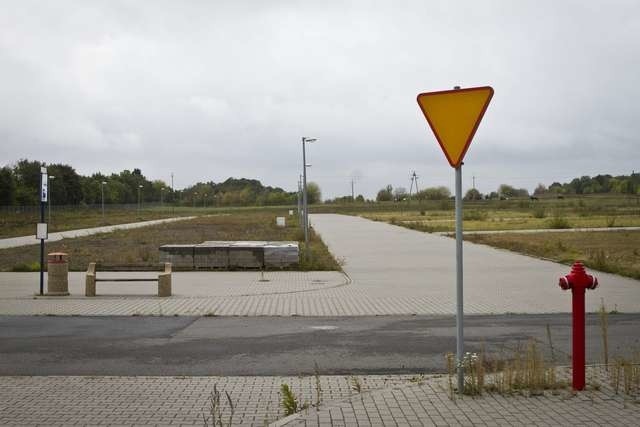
(610, 251)
(14, 224)
(138, 248)
(524, 214)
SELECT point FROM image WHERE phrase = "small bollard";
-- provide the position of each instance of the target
(578, 281)
(57, 274)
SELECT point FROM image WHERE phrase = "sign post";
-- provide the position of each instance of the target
(41, 232)
(454, 116)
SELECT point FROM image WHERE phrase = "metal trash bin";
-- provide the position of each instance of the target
(57, 274)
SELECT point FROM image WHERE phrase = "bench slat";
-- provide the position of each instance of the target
(126, 280)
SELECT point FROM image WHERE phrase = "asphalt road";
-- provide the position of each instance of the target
(120, 345)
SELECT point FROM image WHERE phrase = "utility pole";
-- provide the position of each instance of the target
(173, 196)
(414, 180)
(353, 197)
(474, 182)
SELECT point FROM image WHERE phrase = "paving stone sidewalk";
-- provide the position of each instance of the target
(76, 400)
(430, 404)
(382, 401)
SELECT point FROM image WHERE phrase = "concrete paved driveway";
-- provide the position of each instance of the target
(393, 270)
(387, 261)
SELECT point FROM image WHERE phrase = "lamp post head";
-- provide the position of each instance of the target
(140, 186)
(52, 177)
(307, 139)
(104, 182)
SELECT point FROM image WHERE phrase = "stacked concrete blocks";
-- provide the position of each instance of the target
(180, 256)
(211, 255)
(281, 254)
(246, 254)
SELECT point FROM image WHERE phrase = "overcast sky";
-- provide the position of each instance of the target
(213, 89)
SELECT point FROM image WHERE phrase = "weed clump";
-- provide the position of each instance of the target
(216, 409)
(558, 222)
(525, 372)
(539, 212)
(475, 215)
(290, 403)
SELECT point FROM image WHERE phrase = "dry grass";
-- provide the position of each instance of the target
(138, 248)
(625, 375)
(525, 371)
(14, 224)
(522, 214)
(610, 251)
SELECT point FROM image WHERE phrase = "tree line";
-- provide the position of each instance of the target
(20, 183)
(599, 184)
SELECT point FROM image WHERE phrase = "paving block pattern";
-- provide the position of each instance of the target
(377, 400)
(64, 401)
(429, 404)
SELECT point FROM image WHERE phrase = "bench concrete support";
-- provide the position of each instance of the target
(164, 281)
(90, 281)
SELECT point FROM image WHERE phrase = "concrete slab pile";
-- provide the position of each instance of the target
(211, 255)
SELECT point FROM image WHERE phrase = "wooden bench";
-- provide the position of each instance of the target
(163, 279)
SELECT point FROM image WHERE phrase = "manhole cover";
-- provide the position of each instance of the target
(324, 328)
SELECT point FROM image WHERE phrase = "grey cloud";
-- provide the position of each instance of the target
(209, 90)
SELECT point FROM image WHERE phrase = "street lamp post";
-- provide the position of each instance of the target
(161, 197)
(139, 199)
(204, 200)
(195, 196)
(304, 192)
(102, 184)
(299, 199)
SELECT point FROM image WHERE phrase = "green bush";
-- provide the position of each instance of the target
(26, 267)
(559, 222)
(539, 212)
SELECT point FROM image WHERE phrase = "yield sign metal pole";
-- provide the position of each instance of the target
(459, 294)
(454, 116)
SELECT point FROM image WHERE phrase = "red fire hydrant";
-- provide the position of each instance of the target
(578, 281)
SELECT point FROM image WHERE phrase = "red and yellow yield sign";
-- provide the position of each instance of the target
(454, 116)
